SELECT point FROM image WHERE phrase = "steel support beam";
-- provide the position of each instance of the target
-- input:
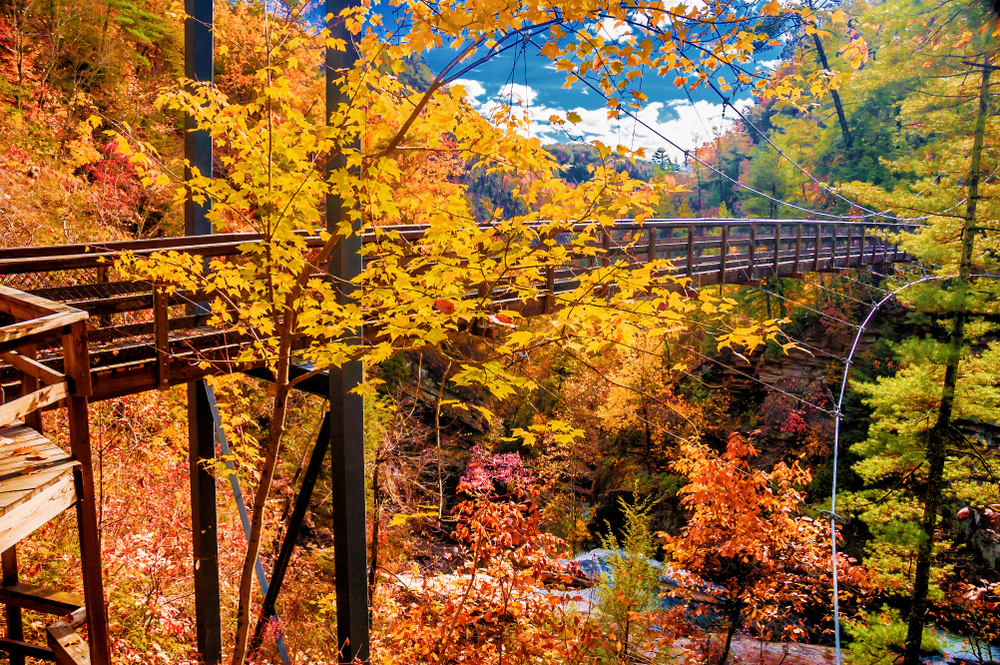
(347, 447)
(293, 526)
(199, 47)
(204, 524)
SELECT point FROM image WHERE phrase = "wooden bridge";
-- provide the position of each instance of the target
(75, 334)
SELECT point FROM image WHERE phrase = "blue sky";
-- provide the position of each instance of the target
(532, 79)
(526, 76)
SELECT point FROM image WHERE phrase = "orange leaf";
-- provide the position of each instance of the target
(444, 306)
(24, 450)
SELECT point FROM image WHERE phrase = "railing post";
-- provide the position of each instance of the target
(12, 613)
(850, 245)
(550, 289)
(161, 337)
(752, 249)
(76, 365)
(819, 244)
(777, 249)
(798, 248)
(723, 252)
(833, 255)
(690, 251)
(651, 251)
(864, 236)
(606, 246)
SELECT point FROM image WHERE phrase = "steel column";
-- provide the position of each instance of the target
(204, 523)
(293, 526)
(347, 445)
(199, 48)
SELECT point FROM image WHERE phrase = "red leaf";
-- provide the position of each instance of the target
(444, 306)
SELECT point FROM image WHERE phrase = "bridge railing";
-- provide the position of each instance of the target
(134, 324)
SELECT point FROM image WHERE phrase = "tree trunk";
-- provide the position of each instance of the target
(941, 433)
(734, 624)
(833, 93)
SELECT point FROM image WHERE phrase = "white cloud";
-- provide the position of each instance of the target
(688, 125)
(473, 89)
(614, 31)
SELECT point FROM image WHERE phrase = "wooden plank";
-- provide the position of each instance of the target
(23, 520)
(39, 599)
(11, 336)
(28, 301)
(18, 650)
(68, 646)
(19, 408)
(33, 368)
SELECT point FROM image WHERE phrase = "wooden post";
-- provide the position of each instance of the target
(752, 249)
(819, 244)
(12, 613)
(833, 255)
(723, 251)
(29, 384)
(864, 236)
(798, 248)
(161, 337)
(550, 289)
(77, 370)
(690, 252)
(850, 245)
(651, 252)
(777, 249)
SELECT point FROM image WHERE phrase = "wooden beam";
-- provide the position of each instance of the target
(19, 408)
(18, 650)
(33, 368)
(39, 599)
(77, 368)
(68, 646)
(17, 334)
(12, 612)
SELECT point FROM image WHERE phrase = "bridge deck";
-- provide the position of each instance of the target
(139, 340)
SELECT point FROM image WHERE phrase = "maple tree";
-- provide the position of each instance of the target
(745, 533)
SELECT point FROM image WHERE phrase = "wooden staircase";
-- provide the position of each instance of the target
(39, 480)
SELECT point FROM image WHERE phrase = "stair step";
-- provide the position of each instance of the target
(36, 482)
(40, 599)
